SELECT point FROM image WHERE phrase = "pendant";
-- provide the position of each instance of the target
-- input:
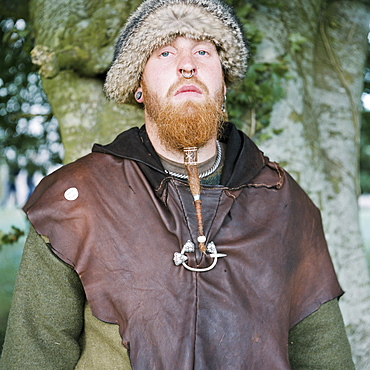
(189, 247)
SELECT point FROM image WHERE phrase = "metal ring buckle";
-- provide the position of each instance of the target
(189, 247)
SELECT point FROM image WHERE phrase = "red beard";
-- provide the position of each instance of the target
(185, 124)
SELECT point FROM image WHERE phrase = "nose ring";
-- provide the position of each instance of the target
(186, 74)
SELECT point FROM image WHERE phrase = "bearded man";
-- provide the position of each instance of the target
(179, 245)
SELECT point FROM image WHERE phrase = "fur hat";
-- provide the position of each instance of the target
(158, 22)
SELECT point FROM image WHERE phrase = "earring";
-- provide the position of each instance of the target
(138, 95)
(223, 107)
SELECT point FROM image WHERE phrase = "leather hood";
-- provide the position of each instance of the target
(243, 159)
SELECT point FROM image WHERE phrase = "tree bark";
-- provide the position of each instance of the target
(85, 115)
(324, 42)
(74, 48)
(319, 139)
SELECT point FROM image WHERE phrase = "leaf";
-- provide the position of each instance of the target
(11, 237)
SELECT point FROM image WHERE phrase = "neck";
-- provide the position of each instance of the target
(204, 153)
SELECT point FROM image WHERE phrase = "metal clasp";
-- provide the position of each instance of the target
(189, 247)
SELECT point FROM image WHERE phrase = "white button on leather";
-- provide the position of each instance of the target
(71, 194)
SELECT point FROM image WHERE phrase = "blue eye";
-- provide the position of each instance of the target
(202, 52)
(165, 54)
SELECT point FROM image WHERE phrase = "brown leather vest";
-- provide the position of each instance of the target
(120, 235)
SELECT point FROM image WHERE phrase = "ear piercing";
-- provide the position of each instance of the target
(186, 74)
(223, 107)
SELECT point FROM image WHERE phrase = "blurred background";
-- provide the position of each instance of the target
(30, 147)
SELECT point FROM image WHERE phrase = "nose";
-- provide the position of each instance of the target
(187, 67)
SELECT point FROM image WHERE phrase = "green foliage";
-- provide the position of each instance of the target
(250, 103)
(14, 8)
(254, 98)
(241, 5)
(296, 42)
(11, 237)
(28, 132)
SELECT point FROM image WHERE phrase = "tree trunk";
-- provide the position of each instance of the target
(319, 139)
(74, 48)
(85, 115)
(318, 120)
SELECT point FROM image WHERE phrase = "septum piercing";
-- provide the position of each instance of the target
(187, 75)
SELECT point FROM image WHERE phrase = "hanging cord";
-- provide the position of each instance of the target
(190, 162)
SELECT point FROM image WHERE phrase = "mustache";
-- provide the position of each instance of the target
(182, 82)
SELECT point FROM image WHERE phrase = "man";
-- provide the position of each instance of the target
(203, 252)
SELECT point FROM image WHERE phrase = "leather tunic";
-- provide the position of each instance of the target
(120, 235)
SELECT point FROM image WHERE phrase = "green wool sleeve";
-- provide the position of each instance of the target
(320, 341)
(46, 318)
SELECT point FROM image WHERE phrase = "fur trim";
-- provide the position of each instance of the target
(156, 23)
